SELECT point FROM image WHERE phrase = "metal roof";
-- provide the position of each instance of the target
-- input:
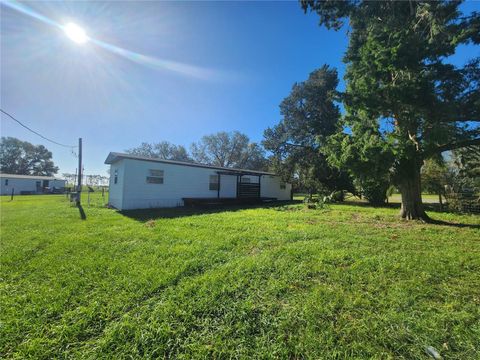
(32, 177)
(113, 157)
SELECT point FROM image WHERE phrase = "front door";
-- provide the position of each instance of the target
(39, 186)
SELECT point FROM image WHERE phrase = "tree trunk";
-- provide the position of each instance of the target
(410, 189)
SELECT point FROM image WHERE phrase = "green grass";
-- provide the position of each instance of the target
(274, 282)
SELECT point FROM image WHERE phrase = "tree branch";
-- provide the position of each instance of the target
(298, 145)
(452, 146)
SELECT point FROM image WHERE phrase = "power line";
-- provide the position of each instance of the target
(36, 133)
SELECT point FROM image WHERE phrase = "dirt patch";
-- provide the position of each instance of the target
(150, 223)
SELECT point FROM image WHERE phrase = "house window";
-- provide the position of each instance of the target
(283, 186)
(213, 182)
(155, 176)
(6, 182)
(115, 177)
(245, 180)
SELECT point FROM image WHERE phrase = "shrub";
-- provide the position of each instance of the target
(375, 191)
(337, 196)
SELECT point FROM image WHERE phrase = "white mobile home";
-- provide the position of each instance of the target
(29, 184)
(139, 182)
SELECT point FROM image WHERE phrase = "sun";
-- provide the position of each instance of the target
(75, 33)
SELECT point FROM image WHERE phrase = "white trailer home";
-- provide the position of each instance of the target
(29, 184)
(138, 182)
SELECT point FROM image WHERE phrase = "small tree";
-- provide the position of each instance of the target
(435, 178)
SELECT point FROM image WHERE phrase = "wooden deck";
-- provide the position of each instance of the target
(225, 201)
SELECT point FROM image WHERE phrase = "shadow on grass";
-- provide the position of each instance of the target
(459, 225)
(367, 205)
(83, 216)
(429, 207)
(144, 215)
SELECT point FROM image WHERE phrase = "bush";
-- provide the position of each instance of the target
(337, 196)
(375, 191)
(317, 202)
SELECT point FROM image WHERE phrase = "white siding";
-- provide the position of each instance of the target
(179, 181)
(26, 185)
(270, 187)
(115, 194)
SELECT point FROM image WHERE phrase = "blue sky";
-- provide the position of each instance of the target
(242, 57)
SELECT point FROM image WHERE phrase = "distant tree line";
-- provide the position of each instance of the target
(231, 150)
(90, 180)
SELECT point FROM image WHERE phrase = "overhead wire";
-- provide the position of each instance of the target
(37, 133)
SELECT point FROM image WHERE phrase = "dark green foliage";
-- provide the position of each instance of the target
(435, 176)
(309, 116)
(23, 158)
(375, 191)
(338, 196)
(367, 157)
(397, 75)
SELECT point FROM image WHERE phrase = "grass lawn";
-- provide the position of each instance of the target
(273, 282)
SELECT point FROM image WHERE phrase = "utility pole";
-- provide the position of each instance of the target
(79, 186)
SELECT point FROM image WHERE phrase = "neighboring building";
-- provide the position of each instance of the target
(138, 182)
(30, 184)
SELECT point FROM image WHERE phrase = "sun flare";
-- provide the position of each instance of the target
(75, 33)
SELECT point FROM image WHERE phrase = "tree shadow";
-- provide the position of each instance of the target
(458, 225)
(430, 207)
(368, 205)
(144, 215)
